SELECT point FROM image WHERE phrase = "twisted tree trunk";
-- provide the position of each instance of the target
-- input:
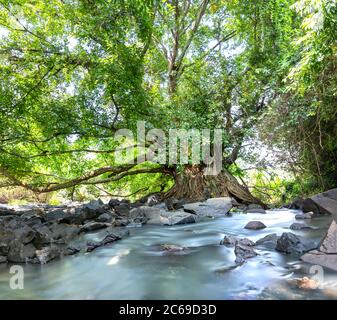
(192, 184)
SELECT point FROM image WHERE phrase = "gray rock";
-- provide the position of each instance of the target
(114, 203)
(255, 225)
(211, 207)
(140, 214)
(47, 254)
(25, 234)
(329, 243)
(91, 226)
(64, 231)
(172, 248)
(232, 241)
(269, 241)
(299, 226)
(123, 209)
(3, 259)
(55, 214)
(20, 253)
(243, 252)
(293, 244)
(109, 238)
(316, 257)
(307, 215)
(175, 204)
(71, 250)
(106, 217)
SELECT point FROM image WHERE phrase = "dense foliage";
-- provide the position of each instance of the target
(75, 71)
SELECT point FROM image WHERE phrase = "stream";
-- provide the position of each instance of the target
(136, 268)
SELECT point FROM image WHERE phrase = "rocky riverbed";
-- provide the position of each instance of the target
(219, 238)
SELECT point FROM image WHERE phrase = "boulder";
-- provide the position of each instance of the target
(3, 259)
(307, 215)
(232, 241)
(172, 248)
(20, 253)
(105, 217)
(71, 250)
(211, 207)
(109, 238)
(243, 252)
(269, 241)
(55, 214)
(175, 204)
(114, 203)
(47, 254)
(300, 226)
(255, 225)
(141, 214)
(329, 243)
(323, 203)
(123, 209)
(91, 226)
(316, 257)
(293, 244)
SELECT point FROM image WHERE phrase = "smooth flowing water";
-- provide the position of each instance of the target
(136, 268)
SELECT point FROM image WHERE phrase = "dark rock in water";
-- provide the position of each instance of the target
(20, 253)
(71, 250)
(269, 241)
(301, 216)
(172, 248)
(3, 259)
(299, 226)
(91, 226)
(255, 225)
(114, 203)
(243, 252)
(293, 244)
(111, 237)
(121, 222)
(232, 241)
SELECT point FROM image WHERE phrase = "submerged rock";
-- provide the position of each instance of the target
(232, 241)
(307, 215)
(269, 241)
(255, 225)
(243, 252)
(299, 226)
(305, 283)
(91, 226)
(172, 248)
(109, 238)
(293, 244)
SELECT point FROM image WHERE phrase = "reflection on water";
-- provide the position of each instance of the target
(136, 268)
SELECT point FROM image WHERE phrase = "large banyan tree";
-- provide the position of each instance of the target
(74, 72)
